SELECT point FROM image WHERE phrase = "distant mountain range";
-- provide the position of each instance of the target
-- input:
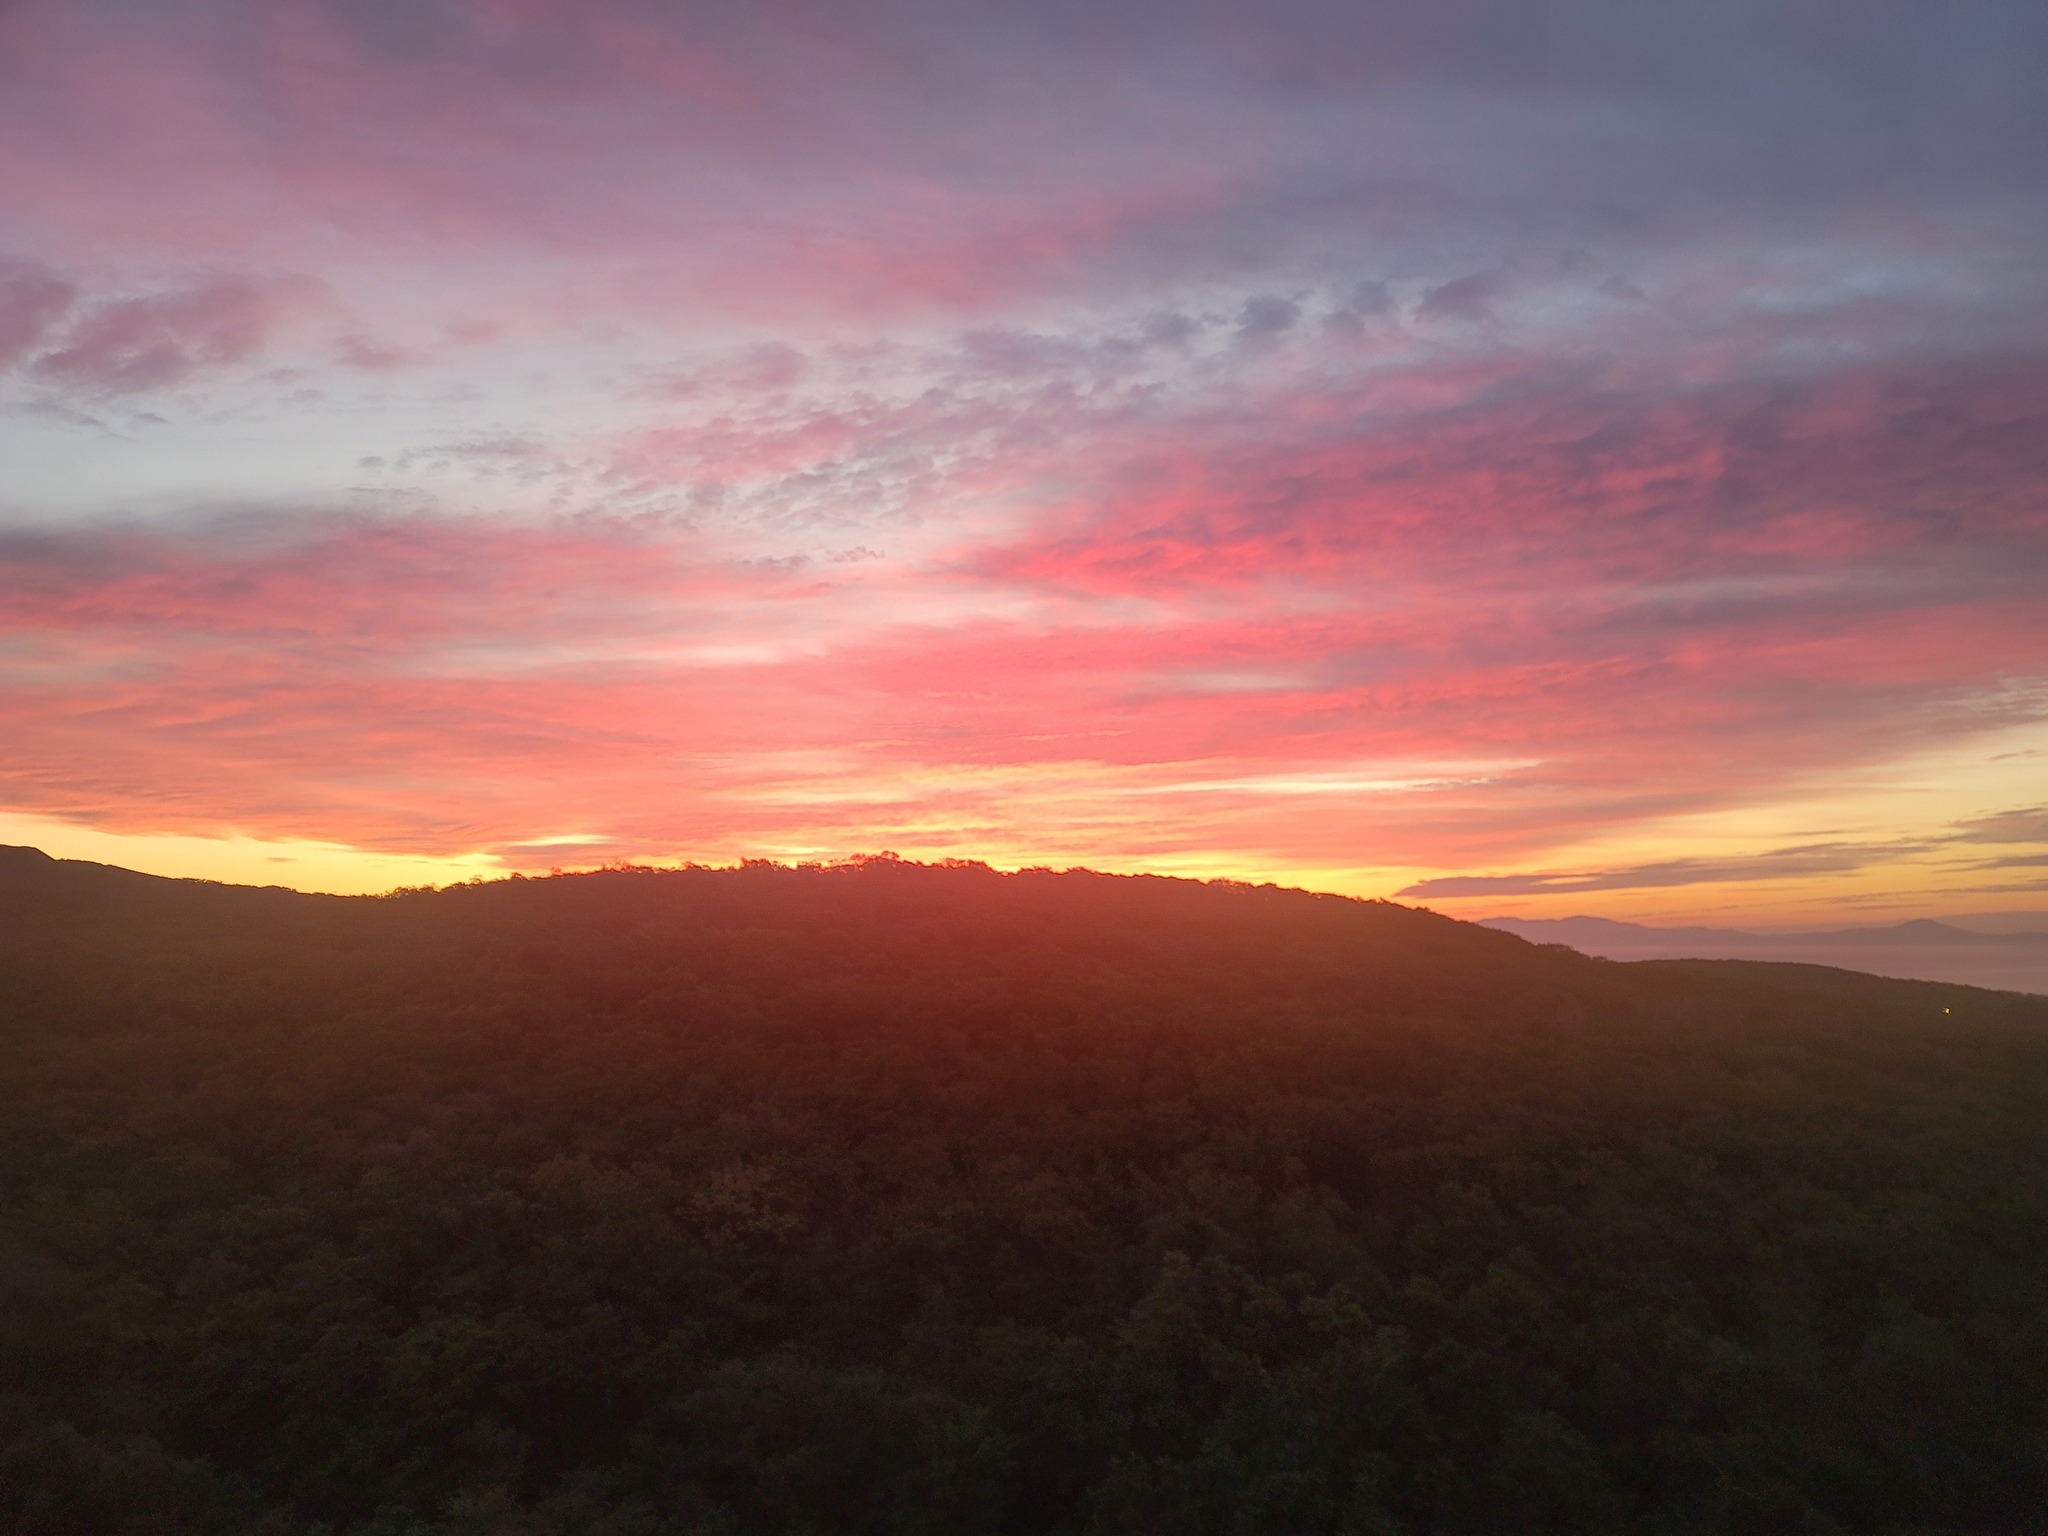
(1576, 931)
(1922, 949)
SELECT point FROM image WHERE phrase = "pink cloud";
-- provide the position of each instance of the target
(32, 300)
(433, 685)
(157, 340)
(1605, 604)
(1622, 481)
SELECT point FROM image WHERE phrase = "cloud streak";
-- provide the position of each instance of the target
(1778, 864)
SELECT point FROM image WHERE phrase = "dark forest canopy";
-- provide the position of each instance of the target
(904, 1198)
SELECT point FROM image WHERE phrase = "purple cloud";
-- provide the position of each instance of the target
(154, 341)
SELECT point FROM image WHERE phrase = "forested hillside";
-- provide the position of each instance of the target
(894, 1198)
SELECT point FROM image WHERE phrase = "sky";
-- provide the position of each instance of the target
(1519, 458)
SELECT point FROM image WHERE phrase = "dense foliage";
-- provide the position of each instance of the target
(893, 1198)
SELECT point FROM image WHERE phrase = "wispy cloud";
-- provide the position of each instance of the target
(2026, 824)
(1778, 864)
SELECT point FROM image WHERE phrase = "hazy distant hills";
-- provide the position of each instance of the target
(1922, 950)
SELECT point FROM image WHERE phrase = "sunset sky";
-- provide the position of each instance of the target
(1519, 458)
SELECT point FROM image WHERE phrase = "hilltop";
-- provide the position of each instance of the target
(891, 1197)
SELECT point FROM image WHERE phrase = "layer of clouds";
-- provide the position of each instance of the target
(790, 158)
(1437, 433)
(1595, 606)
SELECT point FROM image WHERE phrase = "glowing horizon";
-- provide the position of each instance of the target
(1402, 450)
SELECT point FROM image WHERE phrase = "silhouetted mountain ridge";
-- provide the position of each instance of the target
(887, 1197)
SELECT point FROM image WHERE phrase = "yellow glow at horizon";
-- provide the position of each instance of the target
(1067, 814)
(304, 866)
(1921, 798)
